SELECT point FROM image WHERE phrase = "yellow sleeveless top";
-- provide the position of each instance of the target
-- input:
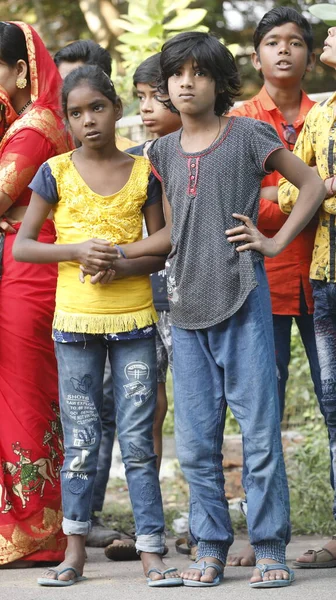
(80, 215)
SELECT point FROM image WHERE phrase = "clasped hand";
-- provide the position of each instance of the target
(97, 258)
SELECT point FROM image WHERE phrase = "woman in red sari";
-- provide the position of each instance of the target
(31, 131)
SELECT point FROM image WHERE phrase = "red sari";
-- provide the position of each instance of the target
(31, 445)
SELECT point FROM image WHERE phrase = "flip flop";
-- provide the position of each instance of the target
(165, 582)
(125, 551)
(274, 582)
(183, 546)
(322, 559)
(203, 567)
(60, 582)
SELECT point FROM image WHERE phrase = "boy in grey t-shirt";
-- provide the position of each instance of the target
(211, 172)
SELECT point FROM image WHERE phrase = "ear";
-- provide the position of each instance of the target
(255, 60)
(311, 62)
(22, 69)
(118, 110)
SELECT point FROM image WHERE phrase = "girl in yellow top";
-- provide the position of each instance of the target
(99, 196)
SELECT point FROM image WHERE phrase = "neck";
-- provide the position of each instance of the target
(193, 124)
(104, 153)
(287, 99)
(21, 98)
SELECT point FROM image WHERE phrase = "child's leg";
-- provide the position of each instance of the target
(251, 392)
(199, 421)
(134, 375)
(164, 353)
(325, 329)
(81, 371)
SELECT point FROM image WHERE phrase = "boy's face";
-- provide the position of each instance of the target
(328, 55)
(283, 55)
(192, 90)
(64, 68)
(155, 116)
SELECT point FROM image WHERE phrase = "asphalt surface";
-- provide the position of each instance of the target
(109, 580)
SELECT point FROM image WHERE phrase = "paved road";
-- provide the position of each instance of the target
(108, 580)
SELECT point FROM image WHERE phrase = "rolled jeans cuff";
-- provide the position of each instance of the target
(270, 549)
(76, 527)
(154, 543)
(214, 549)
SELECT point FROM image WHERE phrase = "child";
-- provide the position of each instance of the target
(72, 56)
(316, 147)
(283, 43)
(219, 301)
(100, 193)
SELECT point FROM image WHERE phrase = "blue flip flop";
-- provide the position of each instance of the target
(203, 567)
(274, 582)
(61, 582)
(165, 582)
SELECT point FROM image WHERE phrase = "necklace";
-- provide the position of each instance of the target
(24, 107)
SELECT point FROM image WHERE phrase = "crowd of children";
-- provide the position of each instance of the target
(198, 208)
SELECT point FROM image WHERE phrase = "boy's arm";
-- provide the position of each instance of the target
(311, 195)
(28, 249)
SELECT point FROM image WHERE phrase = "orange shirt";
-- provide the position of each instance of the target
(286, 271)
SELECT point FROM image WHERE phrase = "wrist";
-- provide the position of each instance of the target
(330, 185)
(121, 251)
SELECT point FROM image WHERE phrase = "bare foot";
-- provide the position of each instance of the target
(243, 558)
(196, 574)
(75, 556)
(154, 561)
(316, 557)
(269, 575)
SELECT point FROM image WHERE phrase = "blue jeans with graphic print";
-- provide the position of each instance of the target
(234, 363)
(81, 373)
(324, 295)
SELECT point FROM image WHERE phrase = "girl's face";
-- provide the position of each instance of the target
(8, 77)
(192, 90)
(328, 55)
(92, 116)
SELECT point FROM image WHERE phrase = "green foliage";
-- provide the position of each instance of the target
(147, 25)
(311, 495)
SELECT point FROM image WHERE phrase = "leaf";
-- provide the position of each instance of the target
(135, 40)
(175, 6)
(156, 30)
(133, 27)
(186, 19)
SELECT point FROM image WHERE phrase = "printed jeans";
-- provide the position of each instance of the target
(324, 295)
(232, 362)
(108, 421)
(81, 373)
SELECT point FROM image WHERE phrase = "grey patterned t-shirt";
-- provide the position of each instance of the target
(207, 279)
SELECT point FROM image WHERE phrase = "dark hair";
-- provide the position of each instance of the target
(208, 53)
(13, 45)
(148, 71)
(95, 77)
(86, 51)
(280, 16)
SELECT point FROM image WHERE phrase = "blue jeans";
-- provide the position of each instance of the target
(108, 421)
(232, 362)
(324, 295)
(81, 373)
(282, 325)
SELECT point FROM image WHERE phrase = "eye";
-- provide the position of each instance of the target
(141, 98)
(160, 98)
(200, 73)
(273, 43)
(75, 114)
(177, 74)
(98, 107)
(297, 43)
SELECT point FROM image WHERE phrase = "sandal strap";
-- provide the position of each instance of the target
(179, 546)
(155, 570)
(263, 568)
(207, 565)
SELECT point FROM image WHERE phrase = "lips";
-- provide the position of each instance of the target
(186, 96)
(149, 122)
(283, 63)
(92, 134)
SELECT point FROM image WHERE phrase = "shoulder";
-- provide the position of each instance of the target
(248, 108)
(60, 161)
(136, 150)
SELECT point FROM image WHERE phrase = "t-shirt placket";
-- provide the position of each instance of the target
(193, 168)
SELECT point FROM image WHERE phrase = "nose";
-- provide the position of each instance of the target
(284, 49)
(186, 80)
(88, 118)
(147, 105)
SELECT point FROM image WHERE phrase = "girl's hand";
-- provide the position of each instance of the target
(254, 239)
(6, 226)
(102, 277)
(96, 255)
